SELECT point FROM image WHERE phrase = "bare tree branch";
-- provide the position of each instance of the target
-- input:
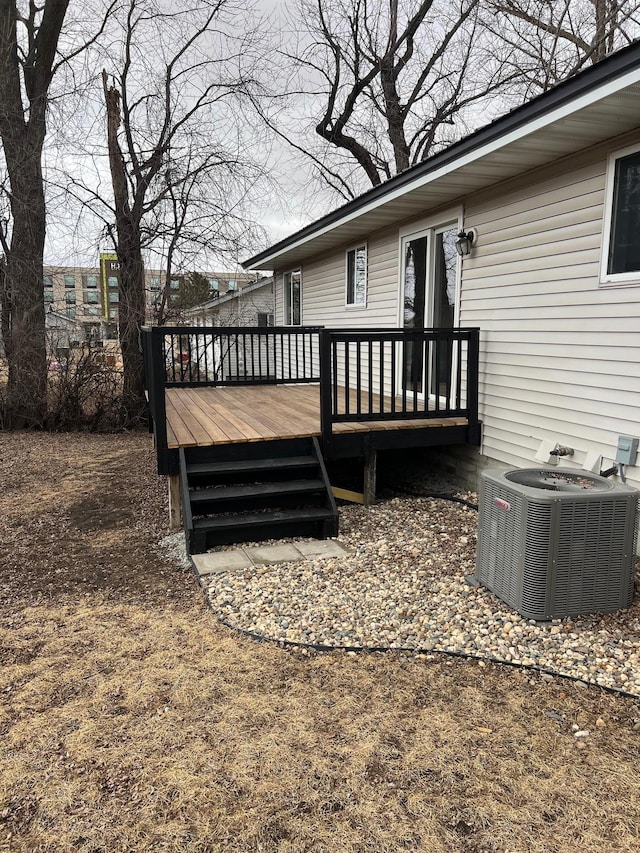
(378, 57)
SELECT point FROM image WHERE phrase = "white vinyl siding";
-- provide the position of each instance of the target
(559, 353)
(246, 309)
(324, 288)
(324, 292)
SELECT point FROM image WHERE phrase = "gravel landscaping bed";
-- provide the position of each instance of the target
(402, 585)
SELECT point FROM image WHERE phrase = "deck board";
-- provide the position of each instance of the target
(209, 418)
(227, 416)
(268, 418)
(176, 424)
(200, 417)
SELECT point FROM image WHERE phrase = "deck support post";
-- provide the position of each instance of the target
(175, 506)
(370, 470)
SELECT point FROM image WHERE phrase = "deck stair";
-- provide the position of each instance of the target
(254, 491)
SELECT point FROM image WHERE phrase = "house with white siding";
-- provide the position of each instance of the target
(528, 230)
(250, 305)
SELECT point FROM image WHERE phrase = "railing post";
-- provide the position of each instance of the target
(326, 421)
(158, 367)
(473, 375)
(146, 360)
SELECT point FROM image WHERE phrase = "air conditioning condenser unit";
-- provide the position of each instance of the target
(556, 543)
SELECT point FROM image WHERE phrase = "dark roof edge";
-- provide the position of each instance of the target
(615, 65)
(231, 295)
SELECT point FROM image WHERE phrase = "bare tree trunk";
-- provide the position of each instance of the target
(5, 308)
(131, 318)
(23, 131)
(131, 309)
(395, 116)
(600, 42)
(394, 112)
(27, 387)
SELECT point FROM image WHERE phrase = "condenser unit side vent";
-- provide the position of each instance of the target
(537, 563)
(501, 512)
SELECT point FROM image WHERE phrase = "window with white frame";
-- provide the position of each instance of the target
(357, 276)
(292, 282)
(621, 250)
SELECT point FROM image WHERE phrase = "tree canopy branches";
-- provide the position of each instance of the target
(394, 76)
(551, 40)
(389, 82)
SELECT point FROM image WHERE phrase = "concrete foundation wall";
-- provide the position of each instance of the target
(462, 465)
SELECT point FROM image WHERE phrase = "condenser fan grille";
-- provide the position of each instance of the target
(560, 481)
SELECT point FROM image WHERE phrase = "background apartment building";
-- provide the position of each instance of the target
(85, 300)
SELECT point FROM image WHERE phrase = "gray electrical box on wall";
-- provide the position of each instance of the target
(627, 450)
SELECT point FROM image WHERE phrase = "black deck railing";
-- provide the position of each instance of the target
(198, 356)
(398, 374)
(364, 374)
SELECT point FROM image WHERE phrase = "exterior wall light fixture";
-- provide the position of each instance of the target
(465, 241)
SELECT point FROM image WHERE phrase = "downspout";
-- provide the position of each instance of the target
(273, 291)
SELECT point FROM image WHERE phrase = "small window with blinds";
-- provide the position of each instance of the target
(357, 276)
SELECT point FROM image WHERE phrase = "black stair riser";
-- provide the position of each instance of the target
(203, 540)
(275, 503)
(244, 451)
(244, 477)
(255, 490)
(234, 468)
(259, 519)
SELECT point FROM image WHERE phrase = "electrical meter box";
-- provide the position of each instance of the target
(627, 450)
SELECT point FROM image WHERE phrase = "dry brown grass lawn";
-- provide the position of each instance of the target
(131, 721)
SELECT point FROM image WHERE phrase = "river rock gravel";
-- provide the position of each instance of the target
(403, 584)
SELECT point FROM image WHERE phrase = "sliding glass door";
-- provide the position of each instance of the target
(429, 283)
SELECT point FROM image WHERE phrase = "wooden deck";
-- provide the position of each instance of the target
(201, 417)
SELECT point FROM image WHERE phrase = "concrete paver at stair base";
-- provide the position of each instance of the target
(320, 548)
(262, 556)
(219, 562)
